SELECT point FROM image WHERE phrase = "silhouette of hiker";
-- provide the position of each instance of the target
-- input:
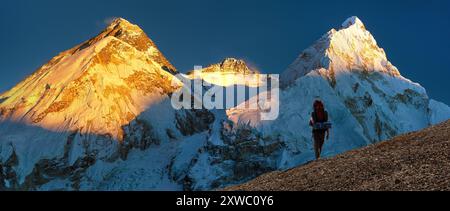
(321, 126)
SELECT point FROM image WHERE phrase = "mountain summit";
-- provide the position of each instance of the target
(233, 65)
(229, 72)
(353, 21)
(95, 87)
(229, 65)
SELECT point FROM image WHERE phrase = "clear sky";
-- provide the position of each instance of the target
(267, 34)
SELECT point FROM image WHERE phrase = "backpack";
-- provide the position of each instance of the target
(319, 115)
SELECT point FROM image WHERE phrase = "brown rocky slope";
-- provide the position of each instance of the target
(418, 161)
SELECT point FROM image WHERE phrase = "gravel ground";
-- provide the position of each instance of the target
(418, 161)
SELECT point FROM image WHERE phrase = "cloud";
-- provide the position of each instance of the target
(107, 21)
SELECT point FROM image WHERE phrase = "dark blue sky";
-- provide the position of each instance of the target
(268, 34)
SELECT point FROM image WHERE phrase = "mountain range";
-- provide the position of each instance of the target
(99, 116)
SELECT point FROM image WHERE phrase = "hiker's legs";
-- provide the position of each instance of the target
(316, 148)
(319, 139)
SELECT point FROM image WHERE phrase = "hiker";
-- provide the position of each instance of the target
(321, 126)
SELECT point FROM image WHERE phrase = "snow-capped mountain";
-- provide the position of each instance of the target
(368, 84)
(227, 73)
(96, 87)
(81, 105)
(351, 47)
(229, 65)
(99, 116)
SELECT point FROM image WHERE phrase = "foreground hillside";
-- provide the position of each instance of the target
(415, 161)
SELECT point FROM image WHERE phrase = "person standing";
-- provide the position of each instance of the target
(320, 125)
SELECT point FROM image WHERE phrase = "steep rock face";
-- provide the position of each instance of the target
(230, 154)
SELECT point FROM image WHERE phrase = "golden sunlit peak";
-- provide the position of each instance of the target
(234, 65)
(120, 21)
(78, 91)
(233, 60)
(124, 25)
